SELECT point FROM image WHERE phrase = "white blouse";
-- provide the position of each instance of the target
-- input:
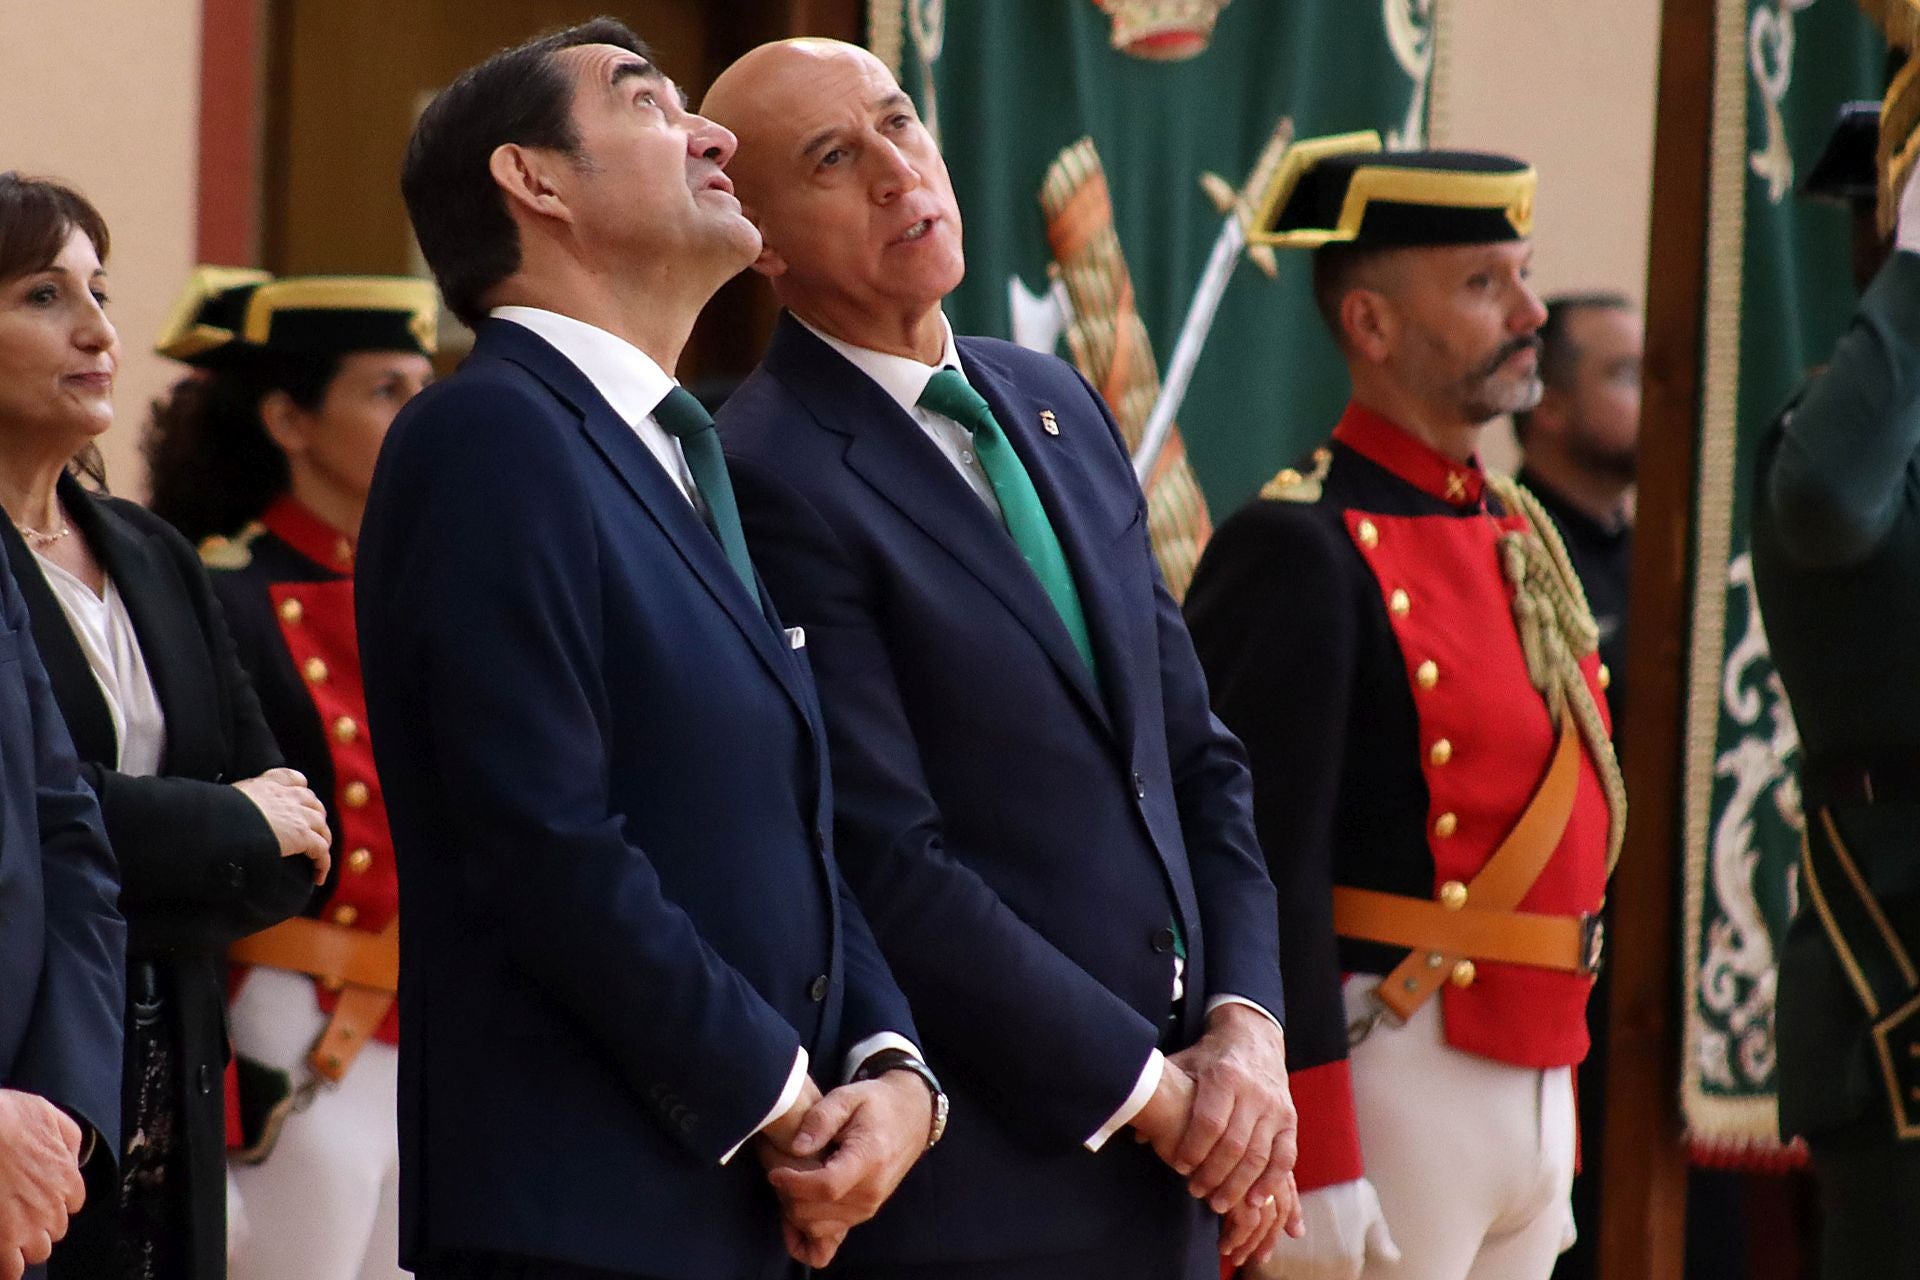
(105, 631)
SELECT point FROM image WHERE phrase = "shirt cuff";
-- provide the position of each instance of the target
(858, 1055)
(1258, 1008)
(789, 1095)
(1136, 1101)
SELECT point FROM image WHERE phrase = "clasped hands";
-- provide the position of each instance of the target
(834, 1159)
(1223, 1117)
(40, 1182)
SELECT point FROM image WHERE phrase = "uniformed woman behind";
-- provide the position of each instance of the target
(267, 454)
(213, 839)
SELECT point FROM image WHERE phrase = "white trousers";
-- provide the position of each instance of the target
(325, 1205)
(1473, 1158)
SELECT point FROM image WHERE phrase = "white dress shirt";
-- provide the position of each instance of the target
(624, 375)
(104, 630)
(633, 385)
(905, 379)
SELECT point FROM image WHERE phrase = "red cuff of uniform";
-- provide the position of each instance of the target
(1329, 1136)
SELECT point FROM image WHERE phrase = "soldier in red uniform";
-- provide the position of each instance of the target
(1400, 642)
(266, 458)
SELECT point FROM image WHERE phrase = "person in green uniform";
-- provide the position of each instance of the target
(1836, 553)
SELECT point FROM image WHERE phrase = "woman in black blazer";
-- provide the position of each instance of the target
(214, 839)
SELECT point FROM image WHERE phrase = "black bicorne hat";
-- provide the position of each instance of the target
(228, 314)
(1345, 190)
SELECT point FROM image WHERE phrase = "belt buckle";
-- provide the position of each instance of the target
(1593, 944)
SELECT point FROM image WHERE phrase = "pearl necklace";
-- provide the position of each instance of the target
(40, 537)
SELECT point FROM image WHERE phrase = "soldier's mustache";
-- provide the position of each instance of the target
(1508, 350)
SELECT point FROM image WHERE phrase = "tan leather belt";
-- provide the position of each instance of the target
(1570, 944)
(367, 963)
(1478, 919)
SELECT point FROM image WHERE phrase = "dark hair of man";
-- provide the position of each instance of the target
(459, 214)
(1336, 268)
(212, 464)
(1559, 353)
(37, 215)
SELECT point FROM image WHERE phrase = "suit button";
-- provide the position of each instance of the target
(1464, 974)
(345, 730)
(355, 795)
(204, 1078)
(232, 874)
(1162, 940)
(314, 670)
(817, 989)
(291, 611)
(345, 914)
(1139, 787)
(360, 860)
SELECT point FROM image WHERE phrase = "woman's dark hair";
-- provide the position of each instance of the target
(212, 463)
(37, 216)
(459, 214)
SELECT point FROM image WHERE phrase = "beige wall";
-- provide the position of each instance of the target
(104, 94)
(1569, 85)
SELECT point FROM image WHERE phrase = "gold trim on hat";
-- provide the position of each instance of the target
(1301, 157)
(1509, 193)
(183, 336)
(344, 293)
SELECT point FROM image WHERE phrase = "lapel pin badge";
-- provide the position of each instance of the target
(1049, 423)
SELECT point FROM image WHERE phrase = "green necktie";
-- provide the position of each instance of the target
(949, 394)
(683, 418)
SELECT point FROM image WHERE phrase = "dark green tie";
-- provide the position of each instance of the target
(683, 418)
(949, 394)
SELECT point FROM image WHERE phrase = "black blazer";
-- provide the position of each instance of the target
(199, 866)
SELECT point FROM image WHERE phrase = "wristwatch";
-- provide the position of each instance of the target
(900, 1060)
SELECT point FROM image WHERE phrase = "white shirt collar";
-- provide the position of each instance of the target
(901, 377)
(624, 374)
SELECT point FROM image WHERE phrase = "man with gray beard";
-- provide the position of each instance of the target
(1400, 642)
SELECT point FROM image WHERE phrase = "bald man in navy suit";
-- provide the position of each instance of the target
(1049, 831)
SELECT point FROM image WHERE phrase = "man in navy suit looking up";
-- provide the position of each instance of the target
(1048, 829)
(628, 952)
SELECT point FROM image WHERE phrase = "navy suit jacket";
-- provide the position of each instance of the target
(63, 945)
(609, 798)
(1020, 835)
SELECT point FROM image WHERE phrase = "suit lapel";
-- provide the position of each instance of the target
(1084, 537)
(82, 705)
(891, 453)
(640, 472)
(168, 632)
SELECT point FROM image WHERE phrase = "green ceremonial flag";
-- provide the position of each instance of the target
(1779, 293)
(1166, 93)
